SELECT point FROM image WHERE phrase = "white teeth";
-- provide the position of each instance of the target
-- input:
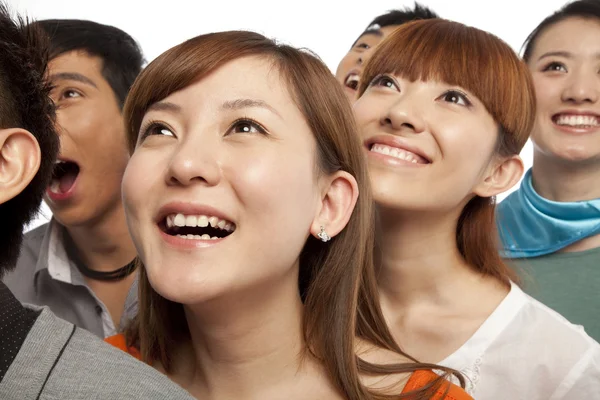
(214, 238)
(203, 221)
(55, 186)
(577, 120)
(205, 237)
(191, 220)
(179, 220)
(352, 78)
(396, 152)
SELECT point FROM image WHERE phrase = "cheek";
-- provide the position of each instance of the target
(547, 93)
(275, 183)
(137, 184)
(344, 67)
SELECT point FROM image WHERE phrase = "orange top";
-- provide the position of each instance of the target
(417, 380)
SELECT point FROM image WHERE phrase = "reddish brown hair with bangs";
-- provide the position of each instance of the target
(337, 280)
(450, 52)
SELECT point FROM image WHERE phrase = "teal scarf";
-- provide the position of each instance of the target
(531, 226)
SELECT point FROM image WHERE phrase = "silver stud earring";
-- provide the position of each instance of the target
(323, 235)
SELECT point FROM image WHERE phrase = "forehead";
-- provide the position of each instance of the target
(253, 78)
(79, 62)
(569, 34)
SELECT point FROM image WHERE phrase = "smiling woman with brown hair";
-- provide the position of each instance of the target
(444, 110)
(242, 198)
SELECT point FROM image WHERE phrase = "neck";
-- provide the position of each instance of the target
(565, 182)
(419, 260)
(248, 345)
(105, 244)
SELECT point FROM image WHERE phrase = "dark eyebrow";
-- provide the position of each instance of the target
(164, 106)
(72, 76)
(248, 103)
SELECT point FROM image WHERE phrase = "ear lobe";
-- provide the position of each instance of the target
(339, 199)
(20, 158)
(503, 176)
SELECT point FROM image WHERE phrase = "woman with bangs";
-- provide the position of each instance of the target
(443, 112)
(242, 198)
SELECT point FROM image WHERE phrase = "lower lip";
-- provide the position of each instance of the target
(58, 197)
(396, 162)
(575, 131)
(350, 90)
(180, 243)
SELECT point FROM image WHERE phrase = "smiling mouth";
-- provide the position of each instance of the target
(576, 121)
(352, 81)
(64, 175)
(198, 227)
(398, 153)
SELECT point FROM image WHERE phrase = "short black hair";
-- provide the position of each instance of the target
(121, 56)
(399, 17)
(588, 9)
(24, 103)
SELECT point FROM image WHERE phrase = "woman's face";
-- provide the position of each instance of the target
(429, 144)
(222, 189)
(565, 64)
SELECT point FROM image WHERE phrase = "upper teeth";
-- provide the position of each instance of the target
(202, 221)
(352, 78)
(396, 152)
(577, 120)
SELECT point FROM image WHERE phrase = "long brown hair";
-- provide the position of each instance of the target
(331, 275)
(478, 61)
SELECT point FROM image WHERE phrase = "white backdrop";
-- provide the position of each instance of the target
(326, 27)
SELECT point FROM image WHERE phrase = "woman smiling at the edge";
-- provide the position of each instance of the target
(444, 110)
(242, 200)
(551, 225)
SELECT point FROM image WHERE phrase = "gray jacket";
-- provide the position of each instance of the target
(60, 361)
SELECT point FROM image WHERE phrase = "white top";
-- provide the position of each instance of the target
(525, 350)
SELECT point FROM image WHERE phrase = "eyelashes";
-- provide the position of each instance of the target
(454, 96)
(243, 125)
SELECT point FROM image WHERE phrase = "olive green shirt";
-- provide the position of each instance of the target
(569, 283)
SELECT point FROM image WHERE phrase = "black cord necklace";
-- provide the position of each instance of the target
(108, 276)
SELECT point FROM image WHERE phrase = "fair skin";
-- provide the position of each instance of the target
(86, 201)
(221, 152)
(351, 66)
(427, 137)
(20, 159)
(565, 66)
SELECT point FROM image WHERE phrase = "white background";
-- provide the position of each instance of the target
(326, 27)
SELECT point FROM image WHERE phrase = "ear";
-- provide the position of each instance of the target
(502, 175)
(19, 161)
(340, 192)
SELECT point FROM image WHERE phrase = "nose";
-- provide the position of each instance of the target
(195, 162)
(581, 88)
(403, 116)
(365, 56)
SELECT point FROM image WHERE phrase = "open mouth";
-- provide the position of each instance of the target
(64, 175)
(198, 227)
(352, 81)
(398, 153)
(576, 121)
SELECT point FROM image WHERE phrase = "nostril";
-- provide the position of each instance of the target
(409, 126)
